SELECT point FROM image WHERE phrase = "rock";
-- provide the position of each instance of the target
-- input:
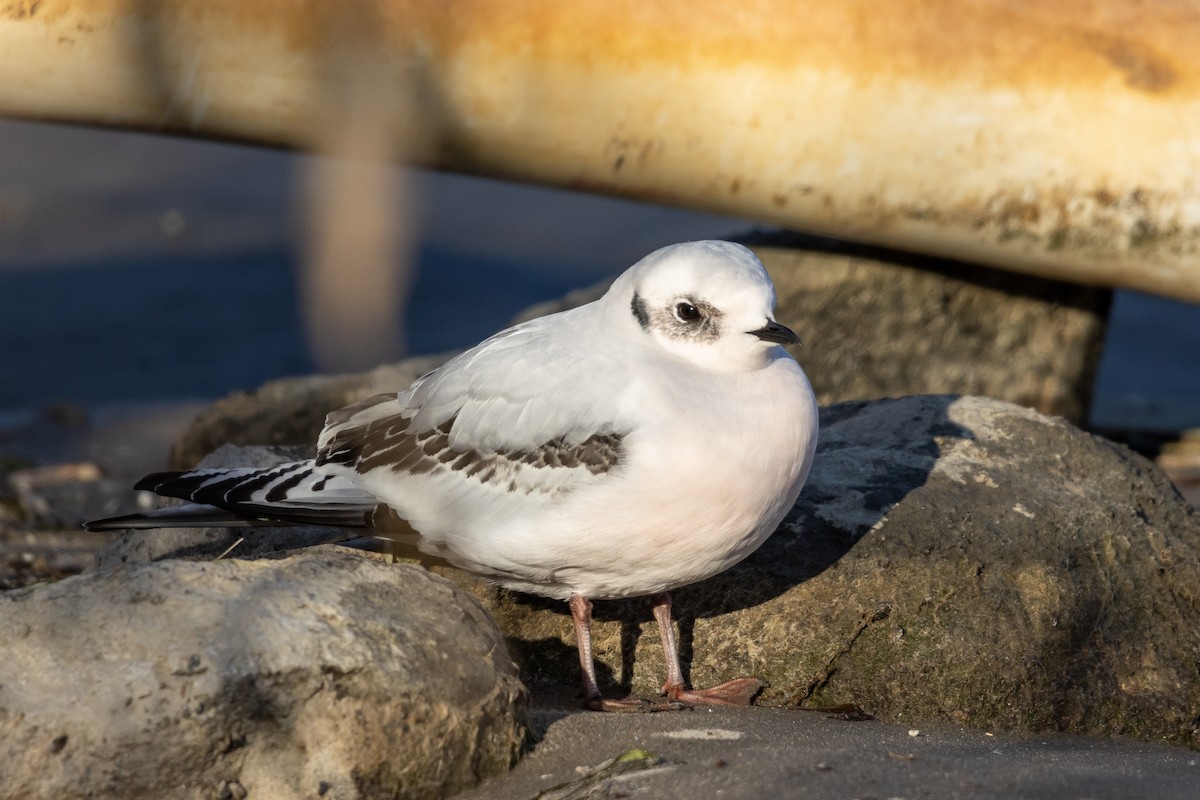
(138, 547)
(317, 675)
(128, 548)
(30, 556)
(65, 496)
(875, 323)
(880, 323)
(289, 411)
(39, 509)
(958, 559)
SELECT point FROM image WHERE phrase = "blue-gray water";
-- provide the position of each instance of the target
(201, 326)
(137, 268)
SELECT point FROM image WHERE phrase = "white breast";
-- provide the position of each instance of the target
(697, 492)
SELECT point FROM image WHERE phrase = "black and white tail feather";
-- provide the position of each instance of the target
(288, 494)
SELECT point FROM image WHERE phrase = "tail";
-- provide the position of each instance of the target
(289, 494)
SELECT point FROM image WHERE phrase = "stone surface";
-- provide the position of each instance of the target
(29, 556)
(874, 322)
(39, 536)
(289, 411)
(757, 753)
(881, 323)
(957, 559)
(316, 675)
(142, 546)
(66, 495)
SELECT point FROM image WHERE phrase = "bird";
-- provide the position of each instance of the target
(624, 448)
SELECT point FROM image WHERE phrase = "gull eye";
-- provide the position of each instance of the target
(686, 312)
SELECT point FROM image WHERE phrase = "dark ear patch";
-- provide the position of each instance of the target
(638, 306)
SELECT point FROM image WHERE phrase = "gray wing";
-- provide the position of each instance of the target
(533, 396)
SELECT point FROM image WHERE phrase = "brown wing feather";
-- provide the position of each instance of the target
(389, 443)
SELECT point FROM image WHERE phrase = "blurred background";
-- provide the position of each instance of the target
(142, 276)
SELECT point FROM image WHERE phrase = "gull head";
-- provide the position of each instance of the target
(710, 303)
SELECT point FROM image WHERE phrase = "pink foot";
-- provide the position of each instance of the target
(737, 692)
(632, 705)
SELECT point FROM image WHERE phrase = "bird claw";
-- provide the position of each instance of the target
(737, 692)
(634, 705)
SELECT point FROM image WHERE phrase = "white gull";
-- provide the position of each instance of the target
(640, 443)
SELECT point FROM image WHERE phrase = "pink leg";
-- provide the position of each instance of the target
(737, 692)
(581, 613)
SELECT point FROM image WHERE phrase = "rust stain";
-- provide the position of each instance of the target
(27, 9)
(1142, 67)
(643, 152)
(1005, 44)
(1097, 221)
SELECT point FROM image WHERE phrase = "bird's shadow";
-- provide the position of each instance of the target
(871, 456)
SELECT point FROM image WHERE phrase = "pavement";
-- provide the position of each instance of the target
(758, 753)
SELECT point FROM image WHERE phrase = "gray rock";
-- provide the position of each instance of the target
(289, 411)
(879, 323)
(317, 675)
(66, 495)
(876, 323)
(39, 512)
(139, 547)
(29, 556)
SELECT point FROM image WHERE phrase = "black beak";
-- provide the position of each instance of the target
(774, 332)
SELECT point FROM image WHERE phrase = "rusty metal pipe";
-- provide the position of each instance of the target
(1061, 139)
